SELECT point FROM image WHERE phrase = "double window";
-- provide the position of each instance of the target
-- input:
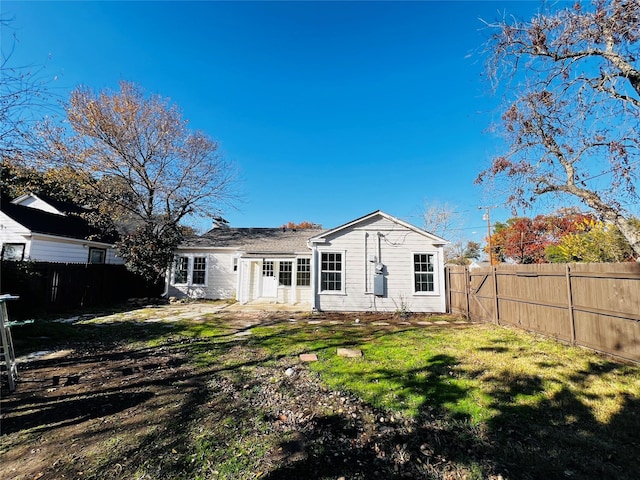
(190, 270)
(424, 273)
(331, 272)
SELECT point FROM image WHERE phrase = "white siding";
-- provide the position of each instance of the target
(46, 248)
(12, 232)
(58, 249)
(220, 277)
(222, 280)
(393, 245)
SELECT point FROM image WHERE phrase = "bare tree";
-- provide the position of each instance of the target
(23, 91)
(153, 171)
(441, 219)
(573, 118)
(446, 222)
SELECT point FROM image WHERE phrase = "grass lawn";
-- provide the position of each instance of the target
(222, 397)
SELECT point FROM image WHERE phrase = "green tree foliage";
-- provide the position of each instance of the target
(572, 107)
(592, 242)
(151, 171)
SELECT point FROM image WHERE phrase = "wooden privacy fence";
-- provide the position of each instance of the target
(593, 305)
(46, 287)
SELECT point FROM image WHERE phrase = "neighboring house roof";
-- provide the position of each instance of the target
(59, 206)
(255, 240)
(40, 221)
(322, 236)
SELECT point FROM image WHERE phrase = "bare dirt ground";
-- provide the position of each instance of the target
(106, 406)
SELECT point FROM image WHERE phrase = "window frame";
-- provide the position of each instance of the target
(93, 250)
(13, 244)
(202, 271)
(189, 270)
(341, 272)
(178, 267)
(303, 275)
(268, 268)
(286, 274)
(433, 273)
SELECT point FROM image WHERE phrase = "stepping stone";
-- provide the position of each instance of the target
(442, 322)
(315, 322)
(349, 353)
(308, 357)
(380, 324)
(424, 323)
(243, 333)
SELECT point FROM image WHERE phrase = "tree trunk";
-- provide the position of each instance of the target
(631, 233)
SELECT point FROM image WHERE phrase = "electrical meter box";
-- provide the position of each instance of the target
(378, 284)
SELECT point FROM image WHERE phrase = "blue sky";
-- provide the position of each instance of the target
(329, 110)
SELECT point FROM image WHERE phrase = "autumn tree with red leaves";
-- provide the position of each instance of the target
(525, 240)
(572, 108)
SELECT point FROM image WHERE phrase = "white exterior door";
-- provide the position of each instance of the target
(269, 280)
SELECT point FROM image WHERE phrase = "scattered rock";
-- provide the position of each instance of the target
(289, 372)
(349, 353)
(308, 357)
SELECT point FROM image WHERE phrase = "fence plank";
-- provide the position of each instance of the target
(593, 305)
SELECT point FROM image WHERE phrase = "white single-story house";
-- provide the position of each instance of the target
(41, 229)
(374, 263)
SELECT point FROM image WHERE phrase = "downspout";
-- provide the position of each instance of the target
(238, 279)
(314, 278)
(366, 264)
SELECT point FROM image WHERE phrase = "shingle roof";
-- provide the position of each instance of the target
(60, 205)
(256, 240)
(39, 221)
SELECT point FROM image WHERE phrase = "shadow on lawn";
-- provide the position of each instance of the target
(557, 437)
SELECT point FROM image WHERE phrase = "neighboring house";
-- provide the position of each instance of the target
(37, 228)
(374, 263)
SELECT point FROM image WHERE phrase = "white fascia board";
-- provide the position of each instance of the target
(81, 241)
(322, 238)
(222, 249)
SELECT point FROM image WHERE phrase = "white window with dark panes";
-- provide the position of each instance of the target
(97, 255)
(267, 268)
(303, 272)
(424, 272)
(284, 274)
(181, 270)
(199, 271)
(331, 272)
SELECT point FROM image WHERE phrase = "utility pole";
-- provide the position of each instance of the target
(487, 217)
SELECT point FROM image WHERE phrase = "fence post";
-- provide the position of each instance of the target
(467, 291)
(495, 292)
(572, 322)
(447, 287)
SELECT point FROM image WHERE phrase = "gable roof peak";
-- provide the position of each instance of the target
(378, 213)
